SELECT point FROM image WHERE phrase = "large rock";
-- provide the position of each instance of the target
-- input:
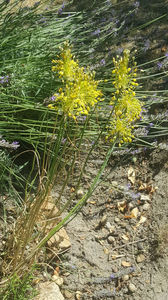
(49, 291)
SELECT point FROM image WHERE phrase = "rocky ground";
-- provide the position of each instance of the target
(119, 240)
(117, 246)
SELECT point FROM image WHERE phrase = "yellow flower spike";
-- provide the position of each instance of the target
(127, 108)
(50, 106)
(80, 90)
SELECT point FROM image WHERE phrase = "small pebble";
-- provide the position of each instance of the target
(132, 288)
(140, 258)
(125, 277)
(80, 193)
(110, 227)
(103, 220)
(45, 275)
(146, 206)
(110, 239)
(145, 198)
(114, 183)
(58, 280)
(67, 294)
(114, 269)
(130, 205)
(101, 223)
(117, 220)
(78, 295)
(140, 246)
(123, 224)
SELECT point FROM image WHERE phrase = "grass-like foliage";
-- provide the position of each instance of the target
(19, 288)
(62, 149)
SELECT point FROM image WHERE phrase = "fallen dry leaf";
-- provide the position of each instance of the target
(135, 212)
(149, 188)
(106, 251)
(126, 263)
(92, 202)
(131, 175)
(141, 221)
(122, 206)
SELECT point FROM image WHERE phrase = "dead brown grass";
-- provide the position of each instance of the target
(30, 3)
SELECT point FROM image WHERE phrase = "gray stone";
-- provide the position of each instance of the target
(140, 246)
(49, 291)
(110, 239)
(110, 227)
(146, 206)
(117, 220)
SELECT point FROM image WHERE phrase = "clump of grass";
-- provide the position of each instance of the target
(19, 288)
(66, 144)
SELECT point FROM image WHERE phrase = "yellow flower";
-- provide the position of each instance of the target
(126, 107)
(80, 90)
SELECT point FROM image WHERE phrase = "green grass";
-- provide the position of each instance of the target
(19, 288)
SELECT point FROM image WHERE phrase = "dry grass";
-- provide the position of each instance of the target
(13, 7)
(30, 3)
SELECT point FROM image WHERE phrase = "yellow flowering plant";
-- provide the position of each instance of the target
(126, 107)
(80, 90)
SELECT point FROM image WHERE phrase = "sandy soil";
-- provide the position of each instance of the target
(114, 255)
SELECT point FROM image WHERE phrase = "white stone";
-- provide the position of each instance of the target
(125, 277)
(110, 227)
(145, 198)
(132, 288)
(111, 239)
(58, 280)
(80, 193)
(49, 291)
(117, 220)
(78, 295)
(146, 206)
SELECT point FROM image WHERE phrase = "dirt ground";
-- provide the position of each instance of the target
(120, 239)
